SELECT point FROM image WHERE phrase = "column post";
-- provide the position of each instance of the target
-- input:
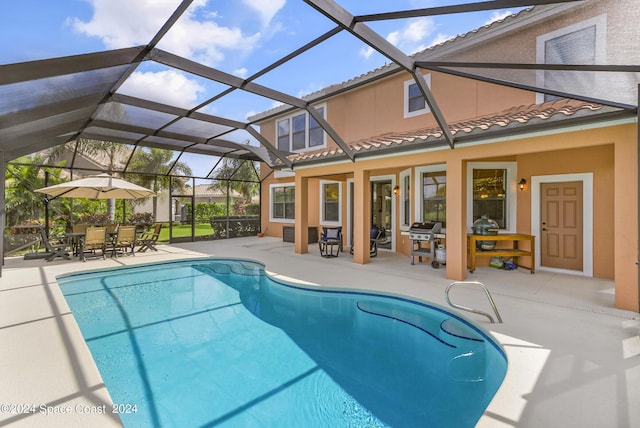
(456, 224)
(361, 216)
(302, 215)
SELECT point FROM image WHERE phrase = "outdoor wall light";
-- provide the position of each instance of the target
(396, 190)
(522, 184)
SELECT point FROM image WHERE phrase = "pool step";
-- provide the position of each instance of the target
(468, 362)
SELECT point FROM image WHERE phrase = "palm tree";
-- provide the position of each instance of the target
(241, 175)
(95, 148)
(160, 162)
(21, 202)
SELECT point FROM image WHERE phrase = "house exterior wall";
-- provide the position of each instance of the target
(378, 109)
(607, 151)
(598, 160)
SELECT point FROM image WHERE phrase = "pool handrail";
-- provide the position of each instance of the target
(475, 311)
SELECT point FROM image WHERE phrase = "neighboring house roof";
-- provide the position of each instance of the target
(494, 125)
(205, 190)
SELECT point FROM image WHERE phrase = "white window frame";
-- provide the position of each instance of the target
(306, 130)
(404, 195)
(600, 22)
(323, 221)
(426, 109)
(417, 186)
(511, 189)
(271, 198)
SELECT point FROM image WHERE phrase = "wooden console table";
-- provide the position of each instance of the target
(514, 252)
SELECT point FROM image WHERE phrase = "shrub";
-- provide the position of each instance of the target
(94, 218)
(141, 219)
(252, 209)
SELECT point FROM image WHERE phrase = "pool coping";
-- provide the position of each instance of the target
(555, 375)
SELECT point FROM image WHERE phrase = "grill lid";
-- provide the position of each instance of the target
(429, 227)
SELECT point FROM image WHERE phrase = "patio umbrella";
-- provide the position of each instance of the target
(101, 186)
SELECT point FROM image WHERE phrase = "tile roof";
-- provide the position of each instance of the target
(425, 54)
(515, 117)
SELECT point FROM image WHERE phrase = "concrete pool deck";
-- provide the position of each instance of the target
(574, 360)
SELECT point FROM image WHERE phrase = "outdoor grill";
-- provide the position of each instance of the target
(422, 237)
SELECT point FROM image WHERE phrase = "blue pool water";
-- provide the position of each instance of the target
(212, 342)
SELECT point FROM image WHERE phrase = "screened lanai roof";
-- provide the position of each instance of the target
(184, 91)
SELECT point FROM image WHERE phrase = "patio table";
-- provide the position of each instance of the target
(75, 238)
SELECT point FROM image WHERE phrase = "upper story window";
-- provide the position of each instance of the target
(283, 207)
(414, 103)
(431, 194)
(583, 43)
(300, 132)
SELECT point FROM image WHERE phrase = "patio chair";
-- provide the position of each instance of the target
(55, 247)
(374, 238)
(330, 242)
(124, 241)
(95, 239)
(150, 240)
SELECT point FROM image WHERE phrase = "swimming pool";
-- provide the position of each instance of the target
(214, 342)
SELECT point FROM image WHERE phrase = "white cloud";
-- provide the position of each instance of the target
(241, 72)
(411, 38)
(366, 52)
(440, 38)
(168, 87)
(126, 23)
(497, 16)
(266, 9)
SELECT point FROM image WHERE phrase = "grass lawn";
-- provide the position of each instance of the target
(183, 231)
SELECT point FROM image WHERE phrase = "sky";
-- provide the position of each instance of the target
(239, 37)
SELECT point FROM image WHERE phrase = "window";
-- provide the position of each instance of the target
(300, 132)
(414, 103)
(316, 133)
(434, 199)
(283, 135)
(283, 207)
(490, 195)
(405, 199)
(578, 44)
(330, 197)
(492, 192)
(431, 194)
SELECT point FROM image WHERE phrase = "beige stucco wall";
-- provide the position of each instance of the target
(609, 153)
